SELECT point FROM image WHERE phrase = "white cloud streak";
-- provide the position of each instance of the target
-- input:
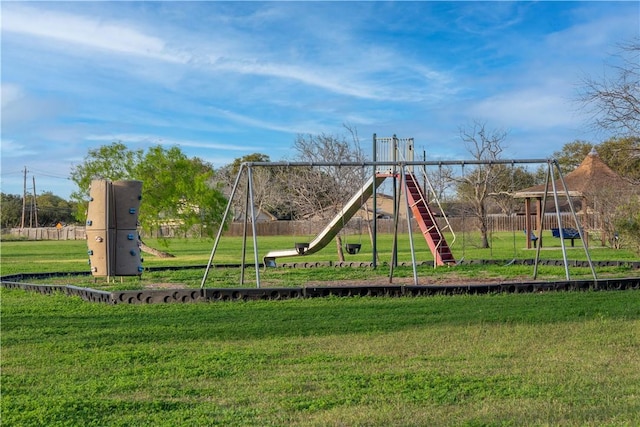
(84, 31)
(12, 149)
(528, 109)
(160, 140)
(350, 80)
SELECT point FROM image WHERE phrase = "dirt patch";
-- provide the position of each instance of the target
(421, 281)
(164, 286)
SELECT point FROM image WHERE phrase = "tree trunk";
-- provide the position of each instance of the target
(156, 252)
(339, 247)
(484, 233)
(483, 227)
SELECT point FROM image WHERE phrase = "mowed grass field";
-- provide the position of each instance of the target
(570, 359)
(71, 256)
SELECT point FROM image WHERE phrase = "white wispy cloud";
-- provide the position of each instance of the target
(161, 140)
(12, 149)
(271, 125)
(594, 31)
(528, 108)
(482, 19)
(9, 93)
(353, 79)
(85, 31)
(20, 108)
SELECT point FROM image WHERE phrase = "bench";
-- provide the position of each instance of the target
(532, 237)
(567, 233)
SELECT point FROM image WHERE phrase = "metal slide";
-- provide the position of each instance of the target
(333, 228)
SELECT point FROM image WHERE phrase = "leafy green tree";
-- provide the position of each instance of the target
(571, 155)
(11, 212)
(114, 161)
(234, 167)
(507, 180)
(627, 220)
(53, 209)
(621, 154)
(615, 204)
(176, 188)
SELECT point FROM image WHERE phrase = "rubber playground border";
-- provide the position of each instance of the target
(191, 295)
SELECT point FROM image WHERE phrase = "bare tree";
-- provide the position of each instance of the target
(477, 186)
(320, 192)
(614, 99)
(441, 181)
(509, 179)
(267, 195)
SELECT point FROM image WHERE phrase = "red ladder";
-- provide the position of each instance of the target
(427, 222)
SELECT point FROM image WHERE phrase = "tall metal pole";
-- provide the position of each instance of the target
(424, 177)
(374, 243)
(253, 227)
(394, 258)
(35, 201)
(24, 197)
(244, 233)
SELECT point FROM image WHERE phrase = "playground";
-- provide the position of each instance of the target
(421, 252)
(394, 159)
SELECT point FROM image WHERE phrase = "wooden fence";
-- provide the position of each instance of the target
(47, 233)
(304, 228)
(357, 226)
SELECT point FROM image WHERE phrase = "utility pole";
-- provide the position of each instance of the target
(24, 197)
(35, 200)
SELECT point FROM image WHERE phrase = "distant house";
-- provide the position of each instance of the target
(262, 215)
(384, 207)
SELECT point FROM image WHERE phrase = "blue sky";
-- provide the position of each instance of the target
(226, 79)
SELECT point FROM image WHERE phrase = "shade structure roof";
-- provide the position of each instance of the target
(592, 174)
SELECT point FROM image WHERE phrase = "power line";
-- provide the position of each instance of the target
(18, 172)
(49, 174)
(36, 171)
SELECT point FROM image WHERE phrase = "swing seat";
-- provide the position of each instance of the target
(353, 248)
(301, 248)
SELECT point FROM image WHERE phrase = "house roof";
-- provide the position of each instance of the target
(592, 173)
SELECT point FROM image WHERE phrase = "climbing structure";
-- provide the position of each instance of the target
(392, 150)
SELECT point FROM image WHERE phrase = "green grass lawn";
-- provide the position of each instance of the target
(568, 359)
(506, 360)
(71, 256)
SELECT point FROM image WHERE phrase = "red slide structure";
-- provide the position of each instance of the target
(427, 222)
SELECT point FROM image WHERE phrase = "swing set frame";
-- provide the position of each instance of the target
(246, 170)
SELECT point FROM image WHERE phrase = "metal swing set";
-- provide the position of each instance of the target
(393, 158)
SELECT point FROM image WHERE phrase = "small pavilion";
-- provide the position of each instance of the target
(590, 178)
